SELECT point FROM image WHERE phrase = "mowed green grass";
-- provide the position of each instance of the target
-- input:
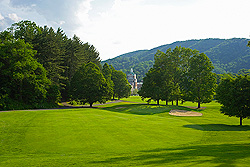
(123, 134)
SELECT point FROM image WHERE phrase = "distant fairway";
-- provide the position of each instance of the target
(123, 134)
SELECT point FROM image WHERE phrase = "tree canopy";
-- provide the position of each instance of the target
(107, 73)
(88, 85)
(60, 56)
(122, 88)
(200, 81)
(23, 79)
(180, 74)
(234, 95)
(47, 56)
(152, 85)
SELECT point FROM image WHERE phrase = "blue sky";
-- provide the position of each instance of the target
(115, 27)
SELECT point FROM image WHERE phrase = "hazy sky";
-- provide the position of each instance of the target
(115, 27)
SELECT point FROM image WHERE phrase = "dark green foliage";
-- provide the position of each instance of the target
(234, 95)
(107, 73)
(26, 30)
(244, 72)
(59, 55)
(152, 85)
(229, 55)
(23, 79)
(91, 54)
(174, 64)
(44, 37)
(200, 80)
(53, 94)
(40, 59)
(122, 88)
(89, 85)
(180, 74)
(76, 54)
(53, 56)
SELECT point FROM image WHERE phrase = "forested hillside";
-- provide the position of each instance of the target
(227, 55)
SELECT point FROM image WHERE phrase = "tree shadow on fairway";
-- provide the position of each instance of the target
(143, 109)
(218, 127)
(229, 155)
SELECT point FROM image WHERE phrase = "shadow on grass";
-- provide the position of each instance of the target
(143, 109)
(218, 127)
(229, 155)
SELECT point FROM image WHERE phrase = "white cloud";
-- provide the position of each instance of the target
(83, 11)
(143, 24)
(14, 17)
(1, 17)
(56, 13)
(62, 22)
(115, 27)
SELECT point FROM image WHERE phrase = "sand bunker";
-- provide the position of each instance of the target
(185, 113)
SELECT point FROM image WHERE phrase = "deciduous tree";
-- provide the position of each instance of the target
(234, 95)
(173, 65)
(122, 88)
(26, 30)
(23, 79)
(152, 85)
(89, 85)
(107, 73)
(200, 82)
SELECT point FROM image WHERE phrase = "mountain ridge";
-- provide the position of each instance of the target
(227, 55)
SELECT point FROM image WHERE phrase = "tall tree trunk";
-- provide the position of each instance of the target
(172, 102)
(177, 102)
(91, 105)
(199, 104)
(158, 102)
(199, 99)
(166, 102)
(241, 121)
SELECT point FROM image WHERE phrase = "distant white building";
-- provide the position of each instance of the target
(139, 85)
(132, 79)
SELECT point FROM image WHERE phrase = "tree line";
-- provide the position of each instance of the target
(38, 64)
(90, 84)
(183, 74)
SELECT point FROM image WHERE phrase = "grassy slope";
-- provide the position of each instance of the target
(123, 134)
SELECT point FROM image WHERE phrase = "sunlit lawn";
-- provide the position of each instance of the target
(123, 134)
